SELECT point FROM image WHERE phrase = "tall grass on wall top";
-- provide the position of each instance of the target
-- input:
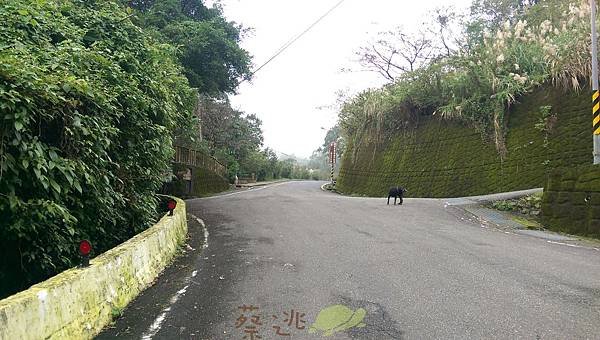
(546, 43)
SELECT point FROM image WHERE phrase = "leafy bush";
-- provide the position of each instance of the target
(504, 205)
(528, 205)
(89, 105)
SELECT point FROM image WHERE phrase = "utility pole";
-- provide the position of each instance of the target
(596, 93)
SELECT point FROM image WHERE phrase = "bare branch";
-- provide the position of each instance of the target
(396, 53)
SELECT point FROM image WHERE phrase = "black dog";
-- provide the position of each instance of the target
(396, 192)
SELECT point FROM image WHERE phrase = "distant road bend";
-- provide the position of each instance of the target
(287, 257)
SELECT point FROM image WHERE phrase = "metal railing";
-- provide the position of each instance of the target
(199, 159)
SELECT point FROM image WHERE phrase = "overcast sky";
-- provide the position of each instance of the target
(289, 94)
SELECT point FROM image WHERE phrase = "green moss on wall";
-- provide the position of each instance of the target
(449, 159)
(572, 200)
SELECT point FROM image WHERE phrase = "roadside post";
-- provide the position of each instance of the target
(332, 159)
(595, 89)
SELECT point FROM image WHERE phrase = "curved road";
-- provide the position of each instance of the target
(422, 270)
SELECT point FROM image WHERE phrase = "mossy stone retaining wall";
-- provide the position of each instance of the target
(449, 159)
(571, 200)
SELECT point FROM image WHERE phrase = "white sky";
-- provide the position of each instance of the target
(288, 92)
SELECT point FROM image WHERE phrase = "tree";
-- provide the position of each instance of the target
(210, 54)
(493, 13)
(230, 135)
(287, 168)
(160, 13)
(334, 135)
(396, 52)
(443, 30)
(255, 163)
(209, 45)
(272, 167)
(319, 160)
(226, 128)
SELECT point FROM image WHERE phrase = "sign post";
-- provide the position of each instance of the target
(332, 159)
(595, 92)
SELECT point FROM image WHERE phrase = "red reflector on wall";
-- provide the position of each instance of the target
(85, 247)
(171, 205)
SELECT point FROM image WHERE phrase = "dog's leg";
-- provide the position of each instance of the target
(388, 200)
(395, 200)
(401, 200)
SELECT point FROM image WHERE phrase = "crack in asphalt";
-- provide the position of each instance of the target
(379, 324)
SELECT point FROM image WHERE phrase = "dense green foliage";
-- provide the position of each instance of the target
(208, 45)
(90, 104)
(319, 160)
(508, 49)
(236, 138)
(229, 135)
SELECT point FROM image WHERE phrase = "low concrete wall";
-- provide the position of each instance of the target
(78, 303)
(572, 200)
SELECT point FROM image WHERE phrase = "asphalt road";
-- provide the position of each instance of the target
(420, 271)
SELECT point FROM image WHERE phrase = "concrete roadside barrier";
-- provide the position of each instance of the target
(79, 302)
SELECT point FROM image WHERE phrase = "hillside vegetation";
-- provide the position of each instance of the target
(421, 128)
(449, 159)
(498, 58)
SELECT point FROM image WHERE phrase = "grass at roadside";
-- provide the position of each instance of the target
(530, 205)
(528, 222)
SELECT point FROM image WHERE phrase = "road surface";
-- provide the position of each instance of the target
(419, 271)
